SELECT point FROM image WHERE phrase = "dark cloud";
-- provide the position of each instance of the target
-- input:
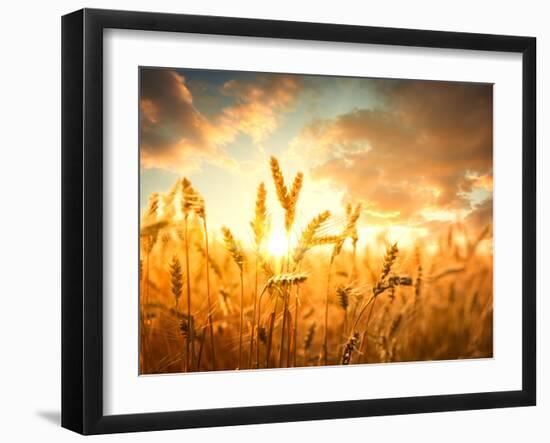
(176, 136)
(428, 147)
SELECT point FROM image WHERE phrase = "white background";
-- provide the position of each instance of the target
(30, 219)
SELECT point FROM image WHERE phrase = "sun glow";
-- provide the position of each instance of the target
(277, 244)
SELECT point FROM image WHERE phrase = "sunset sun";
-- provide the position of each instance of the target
(277, 244)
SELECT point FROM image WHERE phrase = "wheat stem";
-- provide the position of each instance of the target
(270, 335)
(295, 329)
(252, 334)
(325, 338)
(258, 327)
(241, 321)
(210, 308)
(201, 346)
(285, 306)
(189, 345)
(283, 328)
(275, 282)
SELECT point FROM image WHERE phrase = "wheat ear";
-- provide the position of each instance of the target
(349, 347)
(237, 254)
(309, 237)
(200, 210)
(176, 279)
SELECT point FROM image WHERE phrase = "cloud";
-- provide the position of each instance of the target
(259, 104)
(176, 136)
(481, 215)
(428, 148)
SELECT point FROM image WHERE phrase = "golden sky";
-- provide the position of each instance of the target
(417, 154)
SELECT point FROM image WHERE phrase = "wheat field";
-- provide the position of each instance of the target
(211, 301)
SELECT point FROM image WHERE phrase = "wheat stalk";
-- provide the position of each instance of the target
(153, 204)
(233, 247)
(268, 271)
(309, 237)
(349, 347)
(270, 333)
(338, 242)
(279, 181)
(353, 215)
(290, 213)
(214, 266)
(389, 260)
(259, 228)
(288, 201)
(150, 232)
(382, 285)
(309, 340)
(187, 199)
(260, 223)
(279, 283)
(237, 254)
(343, 294)
(199, 208)
(176, 279)
(418, 282)
(350, 229)
(286, 280)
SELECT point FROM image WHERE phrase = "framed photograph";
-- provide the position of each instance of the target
(269, 221)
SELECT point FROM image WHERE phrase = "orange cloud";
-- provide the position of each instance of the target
(176, 136)
(426, 148)
(258, 104)
(482, 215)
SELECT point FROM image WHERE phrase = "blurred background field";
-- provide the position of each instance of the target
(430, 299)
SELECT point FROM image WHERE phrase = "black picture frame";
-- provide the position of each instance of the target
(82, 220)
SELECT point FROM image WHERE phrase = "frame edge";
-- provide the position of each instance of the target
(529, 220)
(72, 222)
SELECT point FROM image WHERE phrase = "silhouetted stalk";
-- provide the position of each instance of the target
(289, 332)
(258, 328)
(235, 249)
(361, 312)
(252, 334)
(259, 228)
(344, 325)
(365, 333)
(210, 326)
(189, 345)
(241, 321)
(295, 331)
(283, 328)
(325, 338)
(380, 286)
(201, 346)
(286, 295)
(306, 241)
(354, 261)
(288, 200)
(270, 335)
(147, 282)
(310, 335)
